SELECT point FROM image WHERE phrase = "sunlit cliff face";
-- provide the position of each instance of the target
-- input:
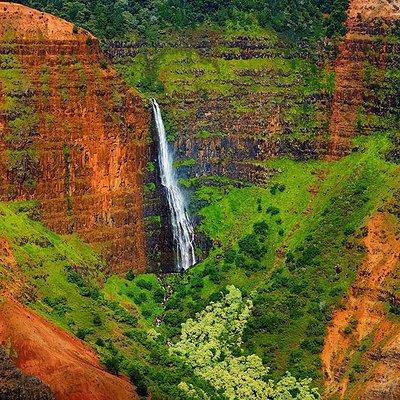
(73, 136)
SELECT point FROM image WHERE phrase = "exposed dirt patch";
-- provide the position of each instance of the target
(28, 24)
(70, 368)
(363, 313)
(14, 384)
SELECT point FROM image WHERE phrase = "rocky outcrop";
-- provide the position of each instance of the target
(72, 136)
(15, 385)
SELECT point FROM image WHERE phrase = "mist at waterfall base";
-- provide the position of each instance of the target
(182, 228)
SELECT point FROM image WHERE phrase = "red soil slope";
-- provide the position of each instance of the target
(364, 305)
(70, 368)
(29, 24)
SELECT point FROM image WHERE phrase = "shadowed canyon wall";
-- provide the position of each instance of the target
(72, 136)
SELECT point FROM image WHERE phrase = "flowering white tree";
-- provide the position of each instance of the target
(209, 344)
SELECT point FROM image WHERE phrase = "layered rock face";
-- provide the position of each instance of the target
(366, 98)
(72, 136)
(232, 103)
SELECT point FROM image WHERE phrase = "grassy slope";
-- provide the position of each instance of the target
(66, 282)
(322, 210)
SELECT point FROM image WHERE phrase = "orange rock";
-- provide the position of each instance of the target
(90, 136)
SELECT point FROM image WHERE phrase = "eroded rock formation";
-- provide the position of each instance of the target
(366, 94)
(72, 136)
(361, 338)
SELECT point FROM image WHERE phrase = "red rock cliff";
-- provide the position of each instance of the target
(364, 48)
(72, 136)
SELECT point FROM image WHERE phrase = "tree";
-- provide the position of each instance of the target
(210, 344)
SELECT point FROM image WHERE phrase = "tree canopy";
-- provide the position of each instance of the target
(211, 345)
(305, 20)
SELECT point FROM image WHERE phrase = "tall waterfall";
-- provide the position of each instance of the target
(182, 228)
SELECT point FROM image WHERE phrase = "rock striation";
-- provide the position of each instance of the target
(72, 136)
(366, 97)
(234, 102)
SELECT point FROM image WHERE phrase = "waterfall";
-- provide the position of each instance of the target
(182, 229)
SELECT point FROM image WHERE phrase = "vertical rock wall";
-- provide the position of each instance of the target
(72, 136)
(365, 97)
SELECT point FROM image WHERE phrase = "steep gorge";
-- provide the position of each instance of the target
(74, 139)
(73, 145)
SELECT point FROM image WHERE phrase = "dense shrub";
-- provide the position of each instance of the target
(144, 284)
(252, 246)
(260, 228)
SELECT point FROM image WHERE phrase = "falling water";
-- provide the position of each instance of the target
(182, 228)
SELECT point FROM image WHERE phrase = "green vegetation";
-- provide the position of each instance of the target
(21, 127)
(291, 248)
(297, 21)
(295, 245)
(211, 346)
(289, 89)
(144, 293)
(66, 281)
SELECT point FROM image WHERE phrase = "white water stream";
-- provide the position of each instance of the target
(182, 229)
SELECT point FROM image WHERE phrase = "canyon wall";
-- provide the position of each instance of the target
(362, 345)
(72, 136)
(232, 102)
(366, 97)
